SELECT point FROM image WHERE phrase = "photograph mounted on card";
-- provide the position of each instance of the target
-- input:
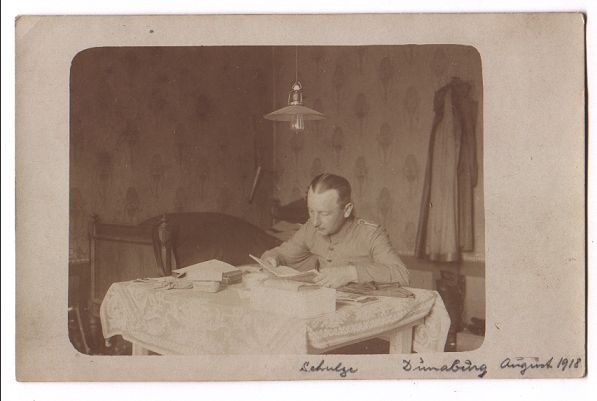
(351, 204)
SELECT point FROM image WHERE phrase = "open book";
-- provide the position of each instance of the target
(287, 272)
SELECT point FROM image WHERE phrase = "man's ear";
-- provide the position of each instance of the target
(348, 210)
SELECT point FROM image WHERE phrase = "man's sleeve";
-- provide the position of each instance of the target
(386, 265)
(294, 252)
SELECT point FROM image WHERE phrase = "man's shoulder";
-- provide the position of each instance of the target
(367, 226)
(366, 223)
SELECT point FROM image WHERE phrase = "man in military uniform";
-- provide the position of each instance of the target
(342, 248)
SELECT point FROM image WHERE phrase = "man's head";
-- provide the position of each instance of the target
(329, 203)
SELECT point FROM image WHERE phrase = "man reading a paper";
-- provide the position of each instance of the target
(342, 248)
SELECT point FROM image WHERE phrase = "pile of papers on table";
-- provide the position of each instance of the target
(209, 276)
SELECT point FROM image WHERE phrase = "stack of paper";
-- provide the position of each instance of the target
(210, 271)
(288, 285)
(354, 299)
(291, 292)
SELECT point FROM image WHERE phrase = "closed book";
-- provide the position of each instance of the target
(207, 286)
(232, 277)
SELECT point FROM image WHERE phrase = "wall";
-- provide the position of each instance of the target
(157, 130)
(379, 104)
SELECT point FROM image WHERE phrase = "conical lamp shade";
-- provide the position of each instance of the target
(289, 113)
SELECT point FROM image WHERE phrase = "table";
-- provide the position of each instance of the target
(190, 322)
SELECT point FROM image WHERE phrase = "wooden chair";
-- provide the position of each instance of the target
(125, 252)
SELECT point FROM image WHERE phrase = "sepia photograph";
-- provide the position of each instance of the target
(300, 197)
(368, 174)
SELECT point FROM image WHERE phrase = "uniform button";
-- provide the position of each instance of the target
(328, 260)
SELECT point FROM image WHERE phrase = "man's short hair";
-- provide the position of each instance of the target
(325, 181)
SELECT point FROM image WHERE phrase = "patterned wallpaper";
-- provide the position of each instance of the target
(379, 106)
(165, 129)
(157, 130)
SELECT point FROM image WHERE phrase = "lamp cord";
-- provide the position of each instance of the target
(296, 65)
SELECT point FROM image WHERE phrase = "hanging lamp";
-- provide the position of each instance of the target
(295, 112)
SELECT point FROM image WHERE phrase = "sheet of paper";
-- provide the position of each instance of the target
(286, 271)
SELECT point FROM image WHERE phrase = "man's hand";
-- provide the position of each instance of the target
(335, 277)
(271, 261)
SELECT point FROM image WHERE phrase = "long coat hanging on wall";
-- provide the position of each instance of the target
(446, 219)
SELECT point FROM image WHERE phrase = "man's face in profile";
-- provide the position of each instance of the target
(325, 213)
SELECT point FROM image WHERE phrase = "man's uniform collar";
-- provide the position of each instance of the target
(344, 230)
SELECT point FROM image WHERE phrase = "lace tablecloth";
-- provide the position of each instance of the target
(191, 322)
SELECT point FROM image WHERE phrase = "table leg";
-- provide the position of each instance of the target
(401, 340)
(139, 349)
